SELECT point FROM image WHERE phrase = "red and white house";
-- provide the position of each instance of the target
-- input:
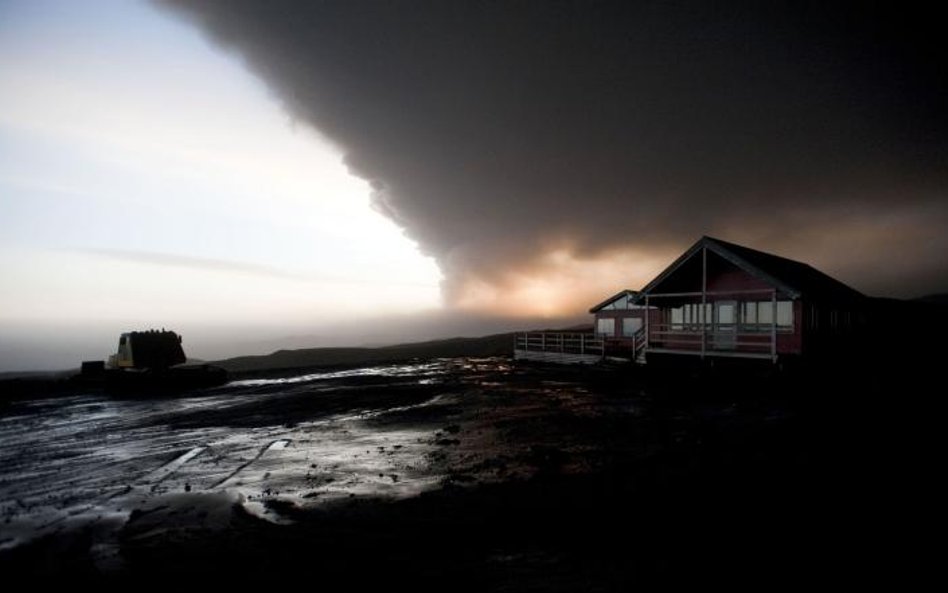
(719, 299)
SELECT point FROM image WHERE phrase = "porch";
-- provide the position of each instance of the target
(751, 323)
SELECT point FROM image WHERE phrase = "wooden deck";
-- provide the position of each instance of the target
(588, 348)
(577, 348)
(561, 348)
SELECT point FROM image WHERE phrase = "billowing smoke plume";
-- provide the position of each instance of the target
(571, 148)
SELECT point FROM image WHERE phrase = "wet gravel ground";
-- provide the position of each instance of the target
(466, 474)
(307, 439)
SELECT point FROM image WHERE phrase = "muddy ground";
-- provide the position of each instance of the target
(465, 474)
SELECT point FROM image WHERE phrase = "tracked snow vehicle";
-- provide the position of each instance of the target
(147, 361)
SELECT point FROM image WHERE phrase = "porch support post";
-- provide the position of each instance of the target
(704, 299)
(648, 314)
(773, 325)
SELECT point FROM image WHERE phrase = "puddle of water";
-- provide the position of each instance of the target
(429, 368)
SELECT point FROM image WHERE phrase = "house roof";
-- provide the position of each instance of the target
(614, 298)
(794, 279)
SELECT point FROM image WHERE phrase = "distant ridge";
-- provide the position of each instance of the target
(937, 299)
(312, 358)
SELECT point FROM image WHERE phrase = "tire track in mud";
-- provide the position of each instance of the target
(155, 478)
(277, 445)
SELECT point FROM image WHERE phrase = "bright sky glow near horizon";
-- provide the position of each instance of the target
(147, 178)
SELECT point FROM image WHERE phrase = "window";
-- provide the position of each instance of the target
(606, 327)
(761, 313)
(631, 326)
(690, 317)
(749, 313)
(765, 313)
(785, 314)
(725, 313)
(620, 304)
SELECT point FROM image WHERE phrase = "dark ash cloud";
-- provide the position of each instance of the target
(498, 133)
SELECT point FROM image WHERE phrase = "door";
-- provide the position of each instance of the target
(725, 325)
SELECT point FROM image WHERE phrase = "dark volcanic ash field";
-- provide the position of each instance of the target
(478, 474)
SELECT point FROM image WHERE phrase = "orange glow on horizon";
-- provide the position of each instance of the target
(559, 284)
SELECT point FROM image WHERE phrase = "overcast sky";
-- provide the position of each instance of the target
(147, 179)
(283, 165)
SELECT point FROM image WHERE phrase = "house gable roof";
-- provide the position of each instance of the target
(790, 277)
(633, 296)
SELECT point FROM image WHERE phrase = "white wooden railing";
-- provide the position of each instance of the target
(567, 343)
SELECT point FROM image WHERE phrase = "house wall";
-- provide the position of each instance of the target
(619, 315)
(833, 329)
(723, 276)
(733, 279)
(792, 343)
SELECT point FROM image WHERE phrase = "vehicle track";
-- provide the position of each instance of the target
(276, 445)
